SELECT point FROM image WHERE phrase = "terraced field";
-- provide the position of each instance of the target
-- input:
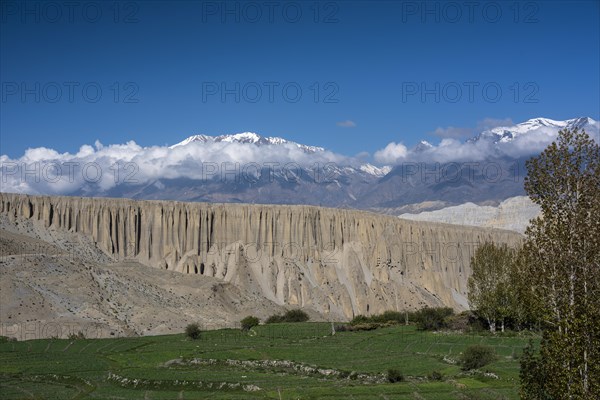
(277, 361)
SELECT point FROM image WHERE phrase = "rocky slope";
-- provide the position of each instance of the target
(335, 263)
(512, 214)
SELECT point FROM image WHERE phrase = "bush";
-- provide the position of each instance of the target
(366, 327)
(249, 322)
(273, 319)
(296, 315)
(386, 317)
(360, 319)
(393, 376)
(393, 316)
(192, 331)
(429, 319)
(436, 376)
(477, 356)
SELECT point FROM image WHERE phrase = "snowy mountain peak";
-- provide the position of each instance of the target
(423, 145)
(246, 138)
(503, 134)
(375, 171)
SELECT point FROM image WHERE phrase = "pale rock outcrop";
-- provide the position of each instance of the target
(337, 262)
(513, 214)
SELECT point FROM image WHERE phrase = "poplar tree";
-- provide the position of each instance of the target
(562, 257)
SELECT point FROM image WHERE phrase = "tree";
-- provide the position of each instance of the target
(192, 331)
(477, 356)
(432, 318)
(562, 257)
(249, 322)
(491, 292)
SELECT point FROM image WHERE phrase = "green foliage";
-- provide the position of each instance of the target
(295, 315)
(491, 289)
(360, 319)
(394, 376)
(532, 375)
(274, 319)
(427, 318)
(365, 326)
(432, 318)
(477, 356)
(249, 322)
(466, 321)
(192, 331)
(561, 258)
(59, 369)
(436, 376)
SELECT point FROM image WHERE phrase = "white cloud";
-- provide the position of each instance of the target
(346, 124)
(467, 132)
(102, 167)
(391, 154)
(451, 149)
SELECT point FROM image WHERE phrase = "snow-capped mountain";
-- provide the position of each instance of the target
(375, 171)
(504, 134)
(423, 145)
(252, 138)
(246, 138)
(250, 168)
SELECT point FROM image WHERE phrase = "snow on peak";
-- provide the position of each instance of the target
(423, 145)
(375, 171)
(246, 138)
(505, 134)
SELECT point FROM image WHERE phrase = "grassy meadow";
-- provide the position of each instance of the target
(275, 361)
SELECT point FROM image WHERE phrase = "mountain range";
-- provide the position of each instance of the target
(249, 168)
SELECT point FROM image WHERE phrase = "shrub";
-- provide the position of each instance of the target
(192, 331)
(275, 318)
(459, 322)
(343, 328)
(249, 322)
(393, 316)
(393, 376)
(359, 319)
(436, 376)
(386, 317)
(430, 318)
(477, 356)
(366, 327)
(296, 315)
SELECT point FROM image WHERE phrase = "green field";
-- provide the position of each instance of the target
(278, 361)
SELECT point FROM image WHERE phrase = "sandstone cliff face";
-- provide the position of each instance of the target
(338, 262)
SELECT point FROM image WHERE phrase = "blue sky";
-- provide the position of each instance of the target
(369, 73)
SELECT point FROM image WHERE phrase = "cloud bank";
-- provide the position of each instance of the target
(45, 171)
(99, 168)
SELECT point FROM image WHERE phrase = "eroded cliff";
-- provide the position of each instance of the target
(335, 261)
